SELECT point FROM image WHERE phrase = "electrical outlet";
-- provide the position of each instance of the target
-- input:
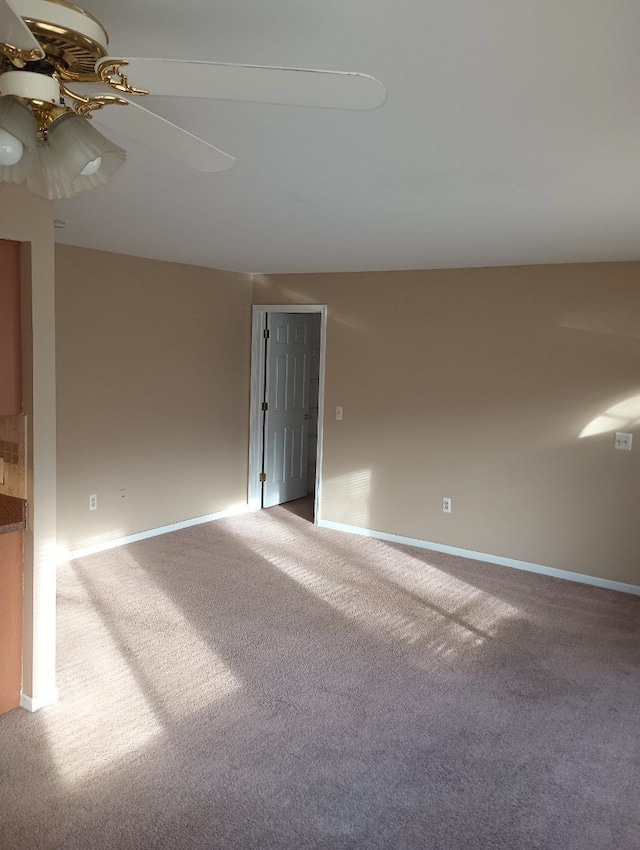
(123, 494)
(93, 503)
(339, 414)
(446, 505)
(622, 441)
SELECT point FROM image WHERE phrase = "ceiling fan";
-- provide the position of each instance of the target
(53, 57)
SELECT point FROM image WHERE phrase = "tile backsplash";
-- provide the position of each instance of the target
(13, 452)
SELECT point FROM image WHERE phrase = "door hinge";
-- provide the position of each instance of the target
(263, 477)
(265, 333)
(265, 405)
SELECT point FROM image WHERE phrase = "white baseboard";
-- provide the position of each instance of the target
(483, 556)
(65, 555)
(36, 703)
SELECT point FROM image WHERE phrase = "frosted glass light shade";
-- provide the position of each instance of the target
(18, 122)
(49, 179)
(72, 143)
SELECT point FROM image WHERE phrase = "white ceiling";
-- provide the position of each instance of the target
(510, 135)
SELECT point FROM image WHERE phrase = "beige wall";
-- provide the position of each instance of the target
(29, 220)
(153, 393)
(476, 384)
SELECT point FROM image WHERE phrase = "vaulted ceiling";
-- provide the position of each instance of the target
(510, 134)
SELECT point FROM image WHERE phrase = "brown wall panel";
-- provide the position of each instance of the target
(10, 357)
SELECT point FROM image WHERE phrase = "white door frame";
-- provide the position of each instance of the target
(258, 365)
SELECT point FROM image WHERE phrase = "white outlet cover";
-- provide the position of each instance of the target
(623, 441)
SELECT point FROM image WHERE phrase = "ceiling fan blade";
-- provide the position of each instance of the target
(144, 126)
(257, 84)
(14, 31)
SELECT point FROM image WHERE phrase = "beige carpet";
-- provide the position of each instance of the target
(261, 684)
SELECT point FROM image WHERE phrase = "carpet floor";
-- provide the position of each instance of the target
(258, 683)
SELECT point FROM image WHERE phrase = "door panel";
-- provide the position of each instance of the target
(298, 439)
(299, 382)
(280, 383)
(279, 450)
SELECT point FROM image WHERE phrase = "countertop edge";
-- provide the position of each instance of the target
(9, 528)
(13, 514)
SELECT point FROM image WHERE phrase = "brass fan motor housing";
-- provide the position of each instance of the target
(73, 40)
(74, 43)
(72, 54)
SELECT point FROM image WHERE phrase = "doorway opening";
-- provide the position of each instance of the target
(287, 401)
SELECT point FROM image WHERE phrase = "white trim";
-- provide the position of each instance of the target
(320, 423)
(36, 703)
(483, 556)
(259, 317)
(65, 555)
(258, 325)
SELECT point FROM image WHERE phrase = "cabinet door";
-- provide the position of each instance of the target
(10, 620)
(10, 353)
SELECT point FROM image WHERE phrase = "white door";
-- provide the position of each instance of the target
(286, 423)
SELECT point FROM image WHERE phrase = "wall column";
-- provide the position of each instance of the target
(29, 220)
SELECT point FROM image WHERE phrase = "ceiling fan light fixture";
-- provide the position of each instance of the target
(18, 130)
(51, 50)
(75, 158)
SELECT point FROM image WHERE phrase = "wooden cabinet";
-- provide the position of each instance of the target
(10, 346)
(10, 620)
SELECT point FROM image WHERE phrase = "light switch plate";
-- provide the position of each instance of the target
(622, 441)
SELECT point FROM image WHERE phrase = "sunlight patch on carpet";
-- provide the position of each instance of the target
(480, 610)
(427, 610)
(135, 671)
